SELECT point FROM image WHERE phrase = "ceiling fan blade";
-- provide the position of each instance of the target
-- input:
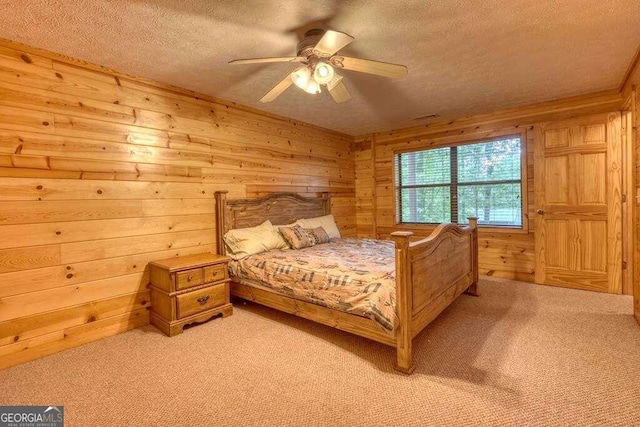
(385, 69)
(278, 89)
(338, 91)
(331, 42)
(265, 60)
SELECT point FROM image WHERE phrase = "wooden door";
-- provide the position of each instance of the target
(578, 220)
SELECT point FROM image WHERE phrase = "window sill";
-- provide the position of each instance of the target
(481, 229)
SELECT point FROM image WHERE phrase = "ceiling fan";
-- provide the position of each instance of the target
(317, 52)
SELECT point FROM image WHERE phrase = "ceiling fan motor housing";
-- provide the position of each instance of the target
(311, 39)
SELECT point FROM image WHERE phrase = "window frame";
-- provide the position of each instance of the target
(522, 134)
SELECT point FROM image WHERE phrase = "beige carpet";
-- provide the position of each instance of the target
(519, 355)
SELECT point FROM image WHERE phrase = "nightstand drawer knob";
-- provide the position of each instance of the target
(203, 300)
(189, 278)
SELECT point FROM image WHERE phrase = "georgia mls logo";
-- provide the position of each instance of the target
(31, 416)
(52, 408)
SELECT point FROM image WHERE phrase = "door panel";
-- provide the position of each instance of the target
(593, 254)
(557, 180)
(578, 201)
(592, 191)
(557, 244)
(557, 138)
(595, 134)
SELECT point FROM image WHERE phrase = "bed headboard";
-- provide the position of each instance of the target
(279, 208)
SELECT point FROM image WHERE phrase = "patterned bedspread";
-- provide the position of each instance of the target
(356, 276)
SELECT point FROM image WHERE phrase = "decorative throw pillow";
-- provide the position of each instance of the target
(243, 242)
(327, 222)
(317, 235)
(296, 237)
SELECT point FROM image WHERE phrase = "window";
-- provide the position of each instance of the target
(482, 179)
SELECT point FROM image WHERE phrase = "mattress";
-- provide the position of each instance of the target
(355, 276)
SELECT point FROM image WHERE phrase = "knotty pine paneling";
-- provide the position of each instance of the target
(365, 188)
(629, 90)
(636, 142)
(101, 173)
(635, 118)
(508, 254)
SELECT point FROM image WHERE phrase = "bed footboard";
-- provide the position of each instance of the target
(430, 275)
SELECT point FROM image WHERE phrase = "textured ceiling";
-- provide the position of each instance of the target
(464, 57)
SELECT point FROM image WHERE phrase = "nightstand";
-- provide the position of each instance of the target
(188, 289)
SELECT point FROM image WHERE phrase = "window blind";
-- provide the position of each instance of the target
(452, 183)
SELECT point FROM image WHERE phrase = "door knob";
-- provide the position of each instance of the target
(540, 211)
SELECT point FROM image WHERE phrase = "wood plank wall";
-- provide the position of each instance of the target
(101, 173)
(630, 89)
(502, 254)
(635, 119)
(635, 114)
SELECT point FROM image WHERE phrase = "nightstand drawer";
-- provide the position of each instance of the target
(189, 279)
(201, 300)
(215, 273)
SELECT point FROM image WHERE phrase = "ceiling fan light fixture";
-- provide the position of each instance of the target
(301, 77)
(323, 73)
(312, 87)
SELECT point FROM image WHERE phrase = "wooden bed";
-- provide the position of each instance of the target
(430, 273)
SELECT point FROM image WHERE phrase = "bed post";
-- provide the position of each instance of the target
(221, 200)
(404, 297)
(473, 288)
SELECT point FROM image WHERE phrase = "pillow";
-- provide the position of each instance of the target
(296, 237)
(317, 235)
(243, 242)
(327, 222)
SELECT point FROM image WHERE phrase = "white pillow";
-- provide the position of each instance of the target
(327, 222)
(243, 242)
